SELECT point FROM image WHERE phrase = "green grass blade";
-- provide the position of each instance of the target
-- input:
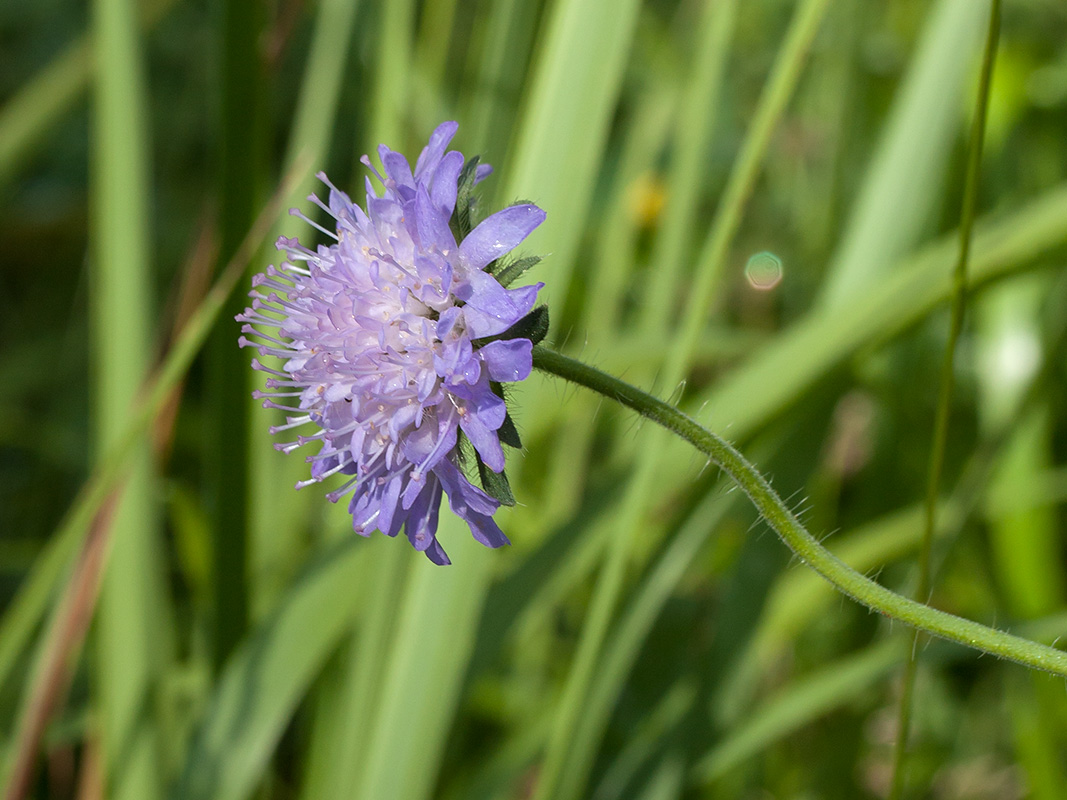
(779, 373)
(423, 673)
(711, 262)
(277, 517)
(668, 780)
(506, 36)
(564, 125)
(646, 740)
(50, 95)
(132, 626)
(434, 39)
(629, 634)
(30, 604)
(799, 704)
(905, 179)
(609, 585)
(38, 106)
(392, 85)
(1025, 542)
(320, 91)
(340, 748)
(612, 266)
(689, 163)
(1035, 705)
(267, 676)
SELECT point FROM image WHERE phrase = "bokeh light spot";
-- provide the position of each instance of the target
(764, 271)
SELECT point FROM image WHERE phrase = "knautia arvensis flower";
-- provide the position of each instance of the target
(395, 337)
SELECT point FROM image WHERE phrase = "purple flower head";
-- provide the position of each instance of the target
(395, 338)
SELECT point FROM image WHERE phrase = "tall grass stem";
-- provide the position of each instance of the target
(958, 302)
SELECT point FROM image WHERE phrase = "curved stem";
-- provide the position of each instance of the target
(796, 537)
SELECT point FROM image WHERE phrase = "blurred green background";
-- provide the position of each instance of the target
(751, 209)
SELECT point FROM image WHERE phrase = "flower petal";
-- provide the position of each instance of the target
(431, 154)
(498, 234)
(421, 527)
(510, 360)
(434, 233)
(396, 168)
(492, 309)
(463, 496)
(444, 187)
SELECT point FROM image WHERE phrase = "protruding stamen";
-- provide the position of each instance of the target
(296, 212)
(291, 422)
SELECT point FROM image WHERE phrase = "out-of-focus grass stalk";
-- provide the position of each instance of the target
(278, 514)
(1024, 541)
(667, 780)
(612, 270)
(944, 400)
(392, 84)
(905, 179)
(424, 669)
(564, 124)
(342, 731)
(647, 739)
(277, 511)
(316, 109)
(801, 702)
(433, 41)
(43, 101)
(130, 639)
(557, 780)
(268, 675)
(226, 439)
(612, 260)
(623, 646)
(25, 612)
(711, 262)
(58, 654)
(797, 359)
(689, 162)
(506, 34)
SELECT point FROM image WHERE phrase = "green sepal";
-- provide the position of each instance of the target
(511, 272)
(495, 484)
(462, 221)
(534, 326)
(508, 433)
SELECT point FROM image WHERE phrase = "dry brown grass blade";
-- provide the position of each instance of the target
(63, 643)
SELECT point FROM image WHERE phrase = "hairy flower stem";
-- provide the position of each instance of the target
(796, 537)
(944, 399)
